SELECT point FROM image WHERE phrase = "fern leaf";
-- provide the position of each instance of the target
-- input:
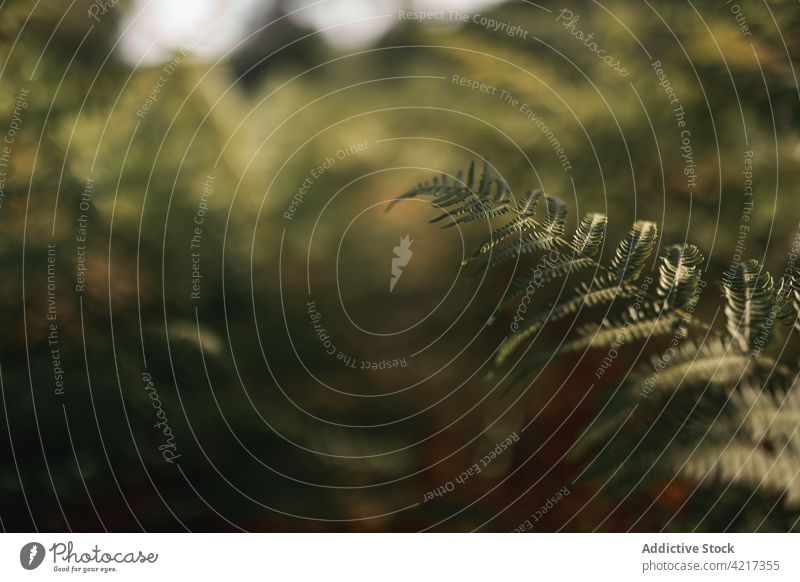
(708, 399)
(750, 300)
(527, 245)
(470, 183)
(586, 242)
(680, 276)
(599, 292)
(520, 224)
(485, 181)
(526, 205)
(756, 445)
(787, 298)
(477, 207)
(645, 443)
(633, 252)
(556, 220)
(589, 235)
(636, 325)
(533, 239)
(434, 187)
(716, 364)
(481, 213)
(452, 197)
(545, 273)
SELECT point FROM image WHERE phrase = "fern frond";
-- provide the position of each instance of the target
(589, 235)
(633, 251)
(452, 196)
(485, 181)
(477, 209)
(626, 266)
(787, 298)
(586, 242)
(635, 325)
(679, 276)
(526, 205)
(537, 236)
(545, 273)
(756, 445)
(599, 292)
(750, 300)
(530, 243)
(649, 321)
(482, 213)
(719, 410)
(447, 193)
(482, 192)
(556, 220)
(712, 365)
(519, 224)
(440, 185)
(646, 442)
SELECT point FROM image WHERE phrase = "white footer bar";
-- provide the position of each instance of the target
(400, 557)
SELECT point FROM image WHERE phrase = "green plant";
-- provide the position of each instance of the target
(712, 405)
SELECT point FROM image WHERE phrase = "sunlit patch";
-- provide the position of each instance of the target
(347, 23)
(460, 5)
(150, 31)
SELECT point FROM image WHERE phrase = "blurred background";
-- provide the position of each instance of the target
(199, 327)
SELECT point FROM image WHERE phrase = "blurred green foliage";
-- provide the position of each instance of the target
(244, 411)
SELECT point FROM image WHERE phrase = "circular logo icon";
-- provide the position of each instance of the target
(31, 555)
